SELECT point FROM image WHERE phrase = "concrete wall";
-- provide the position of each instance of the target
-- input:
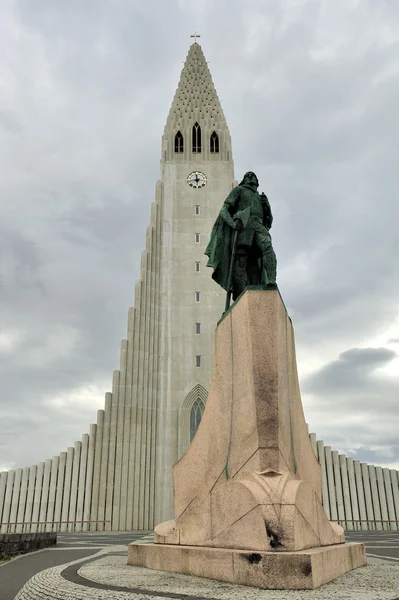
(357, 495)
(73, 490)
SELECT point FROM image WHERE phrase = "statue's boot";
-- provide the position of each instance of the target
(270, 266)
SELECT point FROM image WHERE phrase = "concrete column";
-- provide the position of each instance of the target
(395, 492)
(82, 482)
(382, 497)
(3, 482)
(353, 493)
(360, 495)
(67, 490)
(331, 484)
(87, 507)
(368, 496)
(390, 503)
(7, 502)
(60, 491)
(22, 500)
(15, 499)
(338, 487)
(45, 495)
(89, 477)
(104, 461)
(137, 524)
(97, 469)
(112, 451)
(29, 499)
(324, 489)
(52, 492)
(375, 498)
(127, 423)
(345, 492)
(148, 372)
(131, 518)
(37, 496)
(119, 438)
(313, 441)
(155, 357)
(74, 486)
(145, 276)
(153, 371)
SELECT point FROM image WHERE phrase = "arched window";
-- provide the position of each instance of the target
(196, 413)
(178, 142)
(196, 138)
(214, 142)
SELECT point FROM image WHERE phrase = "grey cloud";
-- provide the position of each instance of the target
(9, 121)
(309, 91)
(355, 368)
(353, 404)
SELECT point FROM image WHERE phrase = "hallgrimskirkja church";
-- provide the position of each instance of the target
(119, 476)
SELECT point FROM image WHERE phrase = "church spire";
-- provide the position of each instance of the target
(196, 103)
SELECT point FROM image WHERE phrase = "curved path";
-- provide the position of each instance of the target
(70, 547)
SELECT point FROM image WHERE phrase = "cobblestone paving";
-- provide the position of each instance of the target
(377, 581)
(114, 579)
(70, 547)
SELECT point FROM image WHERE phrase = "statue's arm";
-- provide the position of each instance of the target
(267, 210)
(229, 203)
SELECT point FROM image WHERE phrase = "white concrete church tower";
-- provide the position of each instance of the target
(196, 177)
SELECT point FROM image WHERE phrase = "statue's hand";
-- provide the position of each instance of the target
(238, 224)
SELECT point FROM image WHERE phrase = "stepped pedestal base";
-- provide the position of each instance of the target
(302, 570)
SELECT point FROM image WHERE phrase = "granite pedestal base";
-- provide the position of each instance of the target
(301, 570)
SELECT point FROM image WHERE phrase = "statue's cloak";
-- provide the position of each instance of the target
(219, 251)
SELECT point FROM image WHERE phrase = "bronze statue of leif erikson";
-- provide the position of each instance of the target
(240, 249)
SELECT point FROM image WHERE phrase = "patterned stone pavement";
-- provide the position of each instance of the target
(99, 570)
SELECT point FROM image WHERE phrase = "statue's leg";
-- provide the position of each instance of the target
(270, 265)
(269, 261)
(239, 274)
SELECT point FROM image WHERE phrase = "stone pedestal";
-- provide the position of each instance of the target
(250, 483)
(302, 570)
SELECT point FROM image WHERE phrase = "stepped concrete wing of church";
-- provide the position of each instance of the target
(119, 476)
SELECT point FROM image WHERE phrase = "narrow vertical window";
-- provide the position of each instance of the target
(196, 412)
(197, 296)
(178, 142)
(197, 238)
(196, 138)
(214, 143)
(197, 210)
(197, 267)
(198, 360)
(198, 328)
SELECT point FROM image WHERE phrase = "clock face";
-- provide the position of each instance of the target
(196, 180)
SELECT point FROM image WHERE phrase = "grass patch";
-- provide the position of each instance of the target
(4, 557)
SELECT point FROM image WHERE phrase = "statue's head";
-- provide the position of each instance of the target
(250, 179)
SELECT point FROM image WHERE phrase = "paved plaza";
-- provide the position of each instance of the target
(95, 564)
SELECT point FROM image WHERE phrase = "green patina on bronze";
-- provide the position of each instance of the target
(240, 250)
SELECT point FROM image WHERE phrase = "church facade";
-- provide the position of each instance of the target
(119, 476)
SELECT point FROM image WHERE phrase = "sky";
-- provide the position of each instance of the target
(310, 91)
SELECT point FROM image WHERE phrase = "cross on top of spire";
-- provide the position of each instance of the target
(195, 35)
